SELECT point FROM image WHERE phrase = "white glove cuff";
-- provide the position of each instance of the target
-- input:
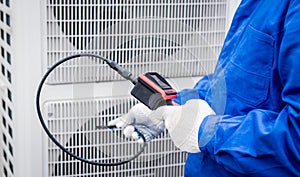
(184, 125)
(191, 143)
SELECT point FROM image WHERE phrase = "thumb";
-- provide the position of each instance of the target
(116, 123)
(137, 113)
(122, 121)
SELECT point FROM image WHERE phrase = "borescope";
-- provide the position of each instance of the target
(150, 88)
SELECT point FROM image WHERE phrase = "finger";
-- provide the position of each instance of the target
(140, 141)
(120, 124)
(128, 131)
(113, 122)
(116, 123)
(136, 136)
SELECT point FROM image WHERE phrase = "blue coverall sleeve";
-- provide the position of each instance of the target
(198, 92)
(264, 142)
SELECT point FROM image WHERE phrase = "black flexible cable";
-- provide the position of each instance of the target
(38, 94)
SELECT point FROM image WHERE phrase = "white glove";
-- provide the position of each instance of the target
(143, 120)
(182, 122)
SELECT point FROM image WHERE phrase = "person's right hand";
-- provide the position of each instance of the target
(140, 119)
(183, 122)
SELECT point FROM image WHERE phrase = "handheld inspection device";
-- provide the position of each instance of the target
(150, 88)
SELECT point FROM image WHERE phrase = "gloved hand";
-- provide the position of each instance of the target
(182, 122)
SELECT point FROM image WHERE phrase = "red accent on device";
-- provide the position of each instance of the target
(166, 94)
(153, 90)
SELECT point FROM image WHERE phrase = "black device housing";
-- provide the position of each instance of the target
(153, 90)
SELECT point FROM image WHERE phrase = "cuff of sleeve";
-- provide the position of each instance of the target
(208, 129)
(186, 95)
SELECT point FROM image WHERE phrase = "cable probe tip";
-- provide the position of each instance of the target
(122, 71)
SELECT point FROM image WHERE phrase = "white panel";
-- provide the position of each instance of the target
(76, 121)
(176, 38)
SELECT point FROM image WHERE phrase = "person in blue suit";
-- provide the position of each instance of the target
(243, 119)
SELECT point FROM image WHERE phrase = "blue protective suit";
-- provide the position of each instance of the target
(256, 131)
